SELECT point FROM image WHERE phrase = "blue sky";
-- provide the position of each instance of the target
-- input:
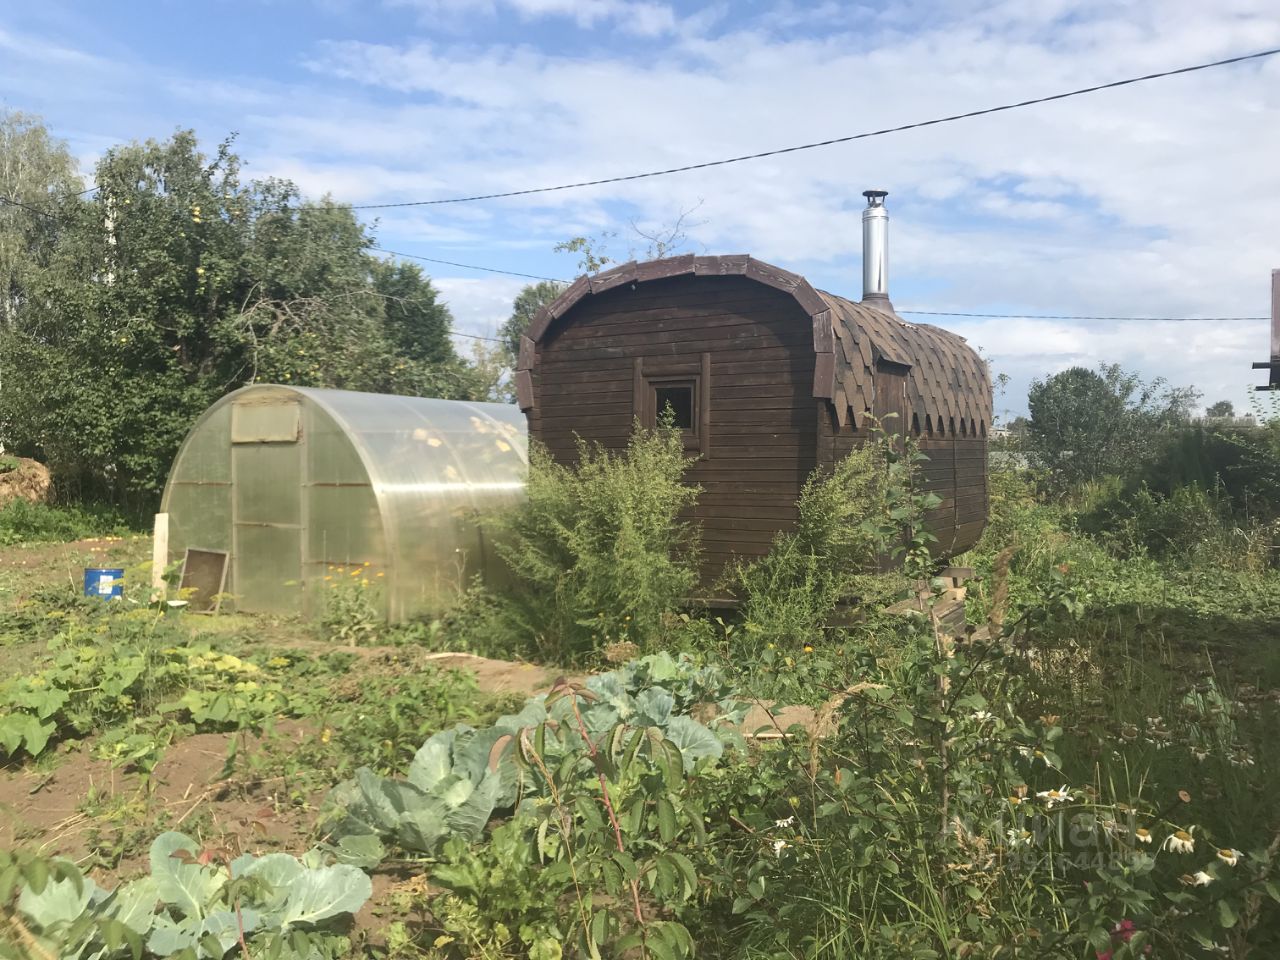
(1153, 200)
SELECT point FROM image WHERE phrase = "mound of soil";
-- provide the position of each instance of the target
(29, 480)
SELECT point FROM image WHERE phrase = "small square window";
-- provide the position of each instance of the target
(680, 388)
(678, 399)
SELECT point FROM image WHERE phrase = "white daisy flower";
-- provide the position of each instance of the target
(1180, 841)
(781, 824)
(779, 846)
(1230, 856)
(1197, 879)
(1019, 838)
(1142, 835)
(1054, 797)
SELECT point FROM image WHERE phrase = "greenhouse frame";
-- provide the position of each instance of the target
(311, 492)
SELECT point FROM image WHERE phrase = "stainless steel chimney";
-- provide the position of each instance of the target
(875, 250)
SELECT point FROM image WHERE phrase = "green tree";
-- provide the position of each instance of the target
(36, 174)
(528, 302)
(177, 282)
(1223, 408)
(1086, 424)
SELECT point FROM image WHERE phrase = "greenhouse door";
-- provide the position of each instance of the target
(266, 511)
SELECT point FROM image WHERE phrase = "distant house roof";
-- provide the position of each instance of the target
(948, 384)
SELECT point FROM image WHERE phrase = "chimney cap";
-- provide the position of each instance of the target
(874, 195)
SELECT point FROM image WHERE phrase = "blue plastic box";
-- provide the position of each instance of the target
(104, 583)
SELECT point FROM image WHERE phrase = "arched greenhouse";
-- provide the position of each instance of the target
(308, 491)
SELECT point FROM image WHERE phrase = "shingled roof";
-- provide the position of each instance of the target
(948, 385)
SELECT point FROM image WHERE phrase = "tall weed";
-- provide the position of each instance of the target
(597, 551)
(864, 514)
(24, 522)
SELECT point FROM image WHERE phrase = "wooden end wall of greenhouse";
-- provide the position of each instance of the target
(769, 379)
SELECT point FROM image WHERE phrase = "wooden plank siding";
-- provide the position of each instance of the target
(762, 434)
(783, 378)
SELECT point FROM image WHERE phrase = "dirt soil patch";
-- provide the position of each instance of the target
(88, 811)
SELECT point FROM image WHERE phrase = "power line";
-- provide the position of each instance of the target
(835, 140)
(9, 201)
(1066, 316)
(33, 208)
(468, 266)
(922, 313)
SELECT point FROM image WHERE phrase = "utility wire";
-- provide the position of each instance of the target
(1261, 54)
(9, 201)
(1063, 316)
(33, 208)
(985, 111)
(468, 266)
(922, 313)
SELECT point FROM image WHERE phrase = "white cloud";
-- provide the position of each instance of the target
(1156, 199)
(639, 17)
(479, 306)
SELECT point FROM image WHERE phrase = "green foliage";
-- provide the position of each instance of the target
(353, 614)
(1087, 424)
(596, 551)
(116, 670)
(1190, 525)
(1221, 408)
(591, 255)
(462, 776)
(35, 171)
(599, 779)
(866, 512)
(532, 298)
(24, 522)
(1239, 464)
(175, 281)
(209, 901)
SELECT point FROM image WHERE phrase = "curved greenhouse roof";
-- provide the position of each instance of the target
(310, 491)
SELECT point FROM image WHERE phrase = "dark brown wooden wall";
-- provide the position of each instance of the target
(956, 472)
(763, 431)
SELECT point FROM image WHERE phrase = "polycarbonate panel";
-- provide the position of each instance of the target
(209, 460)
(435, 466)
(199, 517)
(254, 421)
(268, 575)
(390, 487)
(343, 525)
(331, 457)
(267, 479)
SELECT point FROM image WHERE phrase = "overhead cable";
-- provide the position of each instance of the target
(985, 111)
(1068, 316)
(923, 313)
(467, 266)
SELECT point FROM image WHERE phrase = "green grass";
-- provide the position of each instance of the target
(23, 522)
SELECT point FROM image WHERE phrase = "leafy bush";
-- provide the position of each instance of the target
(128, 666)
(24, 522)
(596, 551)
(461, 776)
(597, 777)
(1240, 465)
(866, 512)
(1086, 424)
(208, 900)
